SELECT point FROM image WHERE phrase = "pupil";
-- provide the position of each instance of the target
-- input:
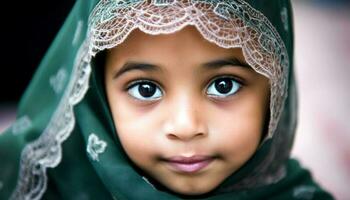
(223, 85)
(147, 90)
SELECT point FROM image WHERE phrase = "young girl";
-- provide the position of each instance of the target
(161, 99)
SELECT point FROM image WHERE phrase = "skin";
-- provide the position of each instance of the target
(186, 119)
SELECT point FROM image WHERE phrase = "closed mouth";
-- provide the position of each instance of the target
(191, 164)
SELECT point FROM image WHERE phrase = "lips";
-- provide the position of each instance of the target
(191, 164)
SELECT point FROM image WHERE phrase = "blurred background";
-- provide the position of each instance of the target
(322, 55)
(26, 35)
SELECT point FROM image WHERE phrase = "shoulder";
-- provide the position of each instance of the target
(300, 184)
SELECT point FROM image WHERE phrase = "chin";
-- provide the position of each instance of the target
(192, 190)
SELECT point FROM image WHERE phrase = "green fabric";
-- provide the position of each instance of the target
(78, 176)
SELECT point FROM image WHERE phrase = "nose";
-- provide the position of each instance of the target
(186, 121)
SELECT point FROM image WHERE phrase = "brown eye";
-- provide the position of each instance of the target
(145, 90)
(223, 87)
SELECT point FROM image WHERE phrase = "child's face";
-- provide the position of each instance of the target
(187, 112)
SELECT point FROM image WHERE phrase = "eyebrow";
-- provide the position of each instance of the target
(234, 62)
(129, 66)
(216, 64)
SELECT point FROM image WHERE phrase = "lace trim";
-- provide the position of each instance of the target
(46, 151)
(228, 24)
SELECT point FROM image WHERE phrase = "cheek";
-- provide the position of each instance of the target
(136, 130)
(237, 129)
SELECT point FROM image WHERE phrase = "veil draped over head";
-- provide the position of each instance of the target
(63, 144)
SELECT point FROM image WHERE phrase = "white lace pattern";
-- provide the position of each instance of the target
(46, 151)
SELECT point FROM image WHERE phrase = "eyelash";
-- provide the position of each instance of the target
(239, 80)
(139, 81)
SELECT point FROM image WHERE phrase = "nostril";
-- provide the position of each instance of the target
(172, 136)
(185, 136)
(200, 135)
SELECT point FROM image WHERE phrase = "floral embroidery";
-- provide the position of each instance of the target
(304, 192)
(95, 146)
(21, 125)
(284, 18)
(279, 174)
(58, 80)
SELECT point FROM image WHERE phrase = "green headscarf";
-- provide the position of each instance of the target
(64, 145)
